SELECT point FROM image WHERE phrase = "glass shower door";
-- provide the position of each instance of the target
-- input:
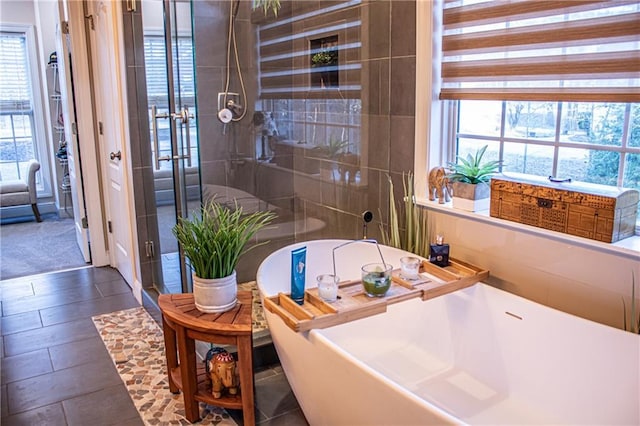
(169, 66)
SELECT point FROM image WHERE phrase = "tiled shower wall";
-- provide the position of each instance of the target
(229, 153)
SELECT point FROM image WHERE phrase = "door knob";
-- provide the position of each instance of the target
(115, 155)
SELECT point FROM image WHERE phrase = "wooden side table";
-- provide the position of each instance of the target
(183, 324)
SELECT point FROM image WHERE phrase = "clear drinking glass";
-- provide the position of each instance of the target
(409, 267)
(328, 287)
(376, 279)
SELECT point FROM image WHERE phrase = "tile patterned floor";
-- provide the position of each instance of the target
(55, 369)
(136, 344)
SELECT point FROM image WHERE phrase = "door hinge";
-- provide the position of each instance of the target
(90, 18)
(85, 223)
(109, 227)
(64, 27)
(74, 128)
(100, 128)
(149, 249)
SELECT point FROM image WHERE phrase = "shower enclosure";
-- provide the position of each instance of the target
(315, 118)
(172, 115)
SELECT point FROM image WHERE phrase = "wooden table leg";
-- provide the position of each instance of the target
(187, 351)
(171, 352)
(245, 361)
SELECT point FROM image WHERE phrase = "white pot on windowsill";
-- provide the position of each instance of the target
(471, 197)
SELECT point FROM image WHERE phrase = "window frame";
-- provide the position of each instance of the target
(152, 36)
(555, 143)
(40, 105)
(435, 128)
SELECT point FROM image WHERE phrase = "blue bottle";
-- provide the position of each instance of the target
(298, 272)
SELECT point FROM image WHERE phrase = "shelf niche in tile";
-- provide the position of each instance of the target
(324, 62)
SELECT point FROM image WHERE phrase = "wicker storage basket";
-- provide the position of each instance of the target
(598, 212)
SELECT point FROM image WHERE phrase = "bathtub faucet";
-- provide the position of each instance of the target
(367, 217)
(368, 240)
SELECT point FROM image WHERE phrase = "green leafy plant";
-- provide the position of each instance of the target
(214, 240)
(325, 57)
(472, 170)
(267, 5)
(414, 238)
(334, 148)
(634, 323)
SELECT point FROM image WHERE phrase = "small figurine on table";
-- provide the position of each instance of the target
(223, 372)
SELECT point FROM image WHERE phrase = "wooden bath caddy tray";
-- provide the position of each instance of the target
(353, 303)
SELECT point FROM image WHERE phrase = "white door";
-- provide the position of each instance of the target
(68, 114)
(109, 91)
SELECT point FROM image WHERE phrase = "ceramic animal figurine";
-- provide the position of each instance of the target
(223, 373)
(210, 354)
(439, 185)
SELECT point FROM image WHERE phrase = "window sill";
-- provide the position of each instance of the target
(628, 247)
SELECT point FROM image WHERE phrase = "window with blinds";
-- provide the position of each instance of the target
(292, 49)
(572, 50)
(156, 70)
(310, 77)
(17, 130)
(158, 88)
(551, 87)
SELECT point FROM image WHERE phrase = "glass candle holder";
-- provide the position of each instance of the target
(409, 267)
(328, 287)
(376, 279)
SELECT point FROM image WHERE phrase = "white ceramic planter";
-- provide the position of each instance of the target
(215, 295)
(470, 197)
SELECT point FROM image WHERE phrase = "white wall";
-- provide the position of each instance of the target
(579, 277)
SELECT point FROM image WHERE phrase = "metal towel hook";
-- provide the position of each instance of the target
(368, 240)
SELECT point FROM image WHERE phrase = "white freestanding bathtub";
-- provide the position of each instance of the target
(476, 356)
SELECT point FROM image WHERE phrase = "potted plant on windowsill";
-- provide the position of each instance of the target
(329, 155)
(267, 5)
(470, 178)
(213, 242)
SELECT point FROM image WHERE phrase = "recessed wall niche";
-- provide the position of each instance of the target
(324, 62)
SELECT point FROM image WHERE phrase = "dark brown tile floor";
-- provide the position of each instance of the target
(56, 370)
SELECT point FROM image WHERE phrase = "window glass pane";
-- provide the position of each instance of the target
(480, 117)
(17, 138)
(531, 120)
(22, 125)
(467, 146)
(632, 173)
(600, 123)
(634, 131)
(589, 165)
(528, 158)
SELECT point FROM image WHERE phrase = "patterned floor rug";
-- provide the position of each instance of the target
(136, 345)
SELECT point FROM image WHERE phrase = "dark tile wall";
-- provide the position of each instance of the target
(141, 160)
(387, 76)
(228, 154)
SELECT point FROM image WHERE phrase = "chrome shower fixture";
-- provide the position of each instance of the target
(235, 108)
(228, 106)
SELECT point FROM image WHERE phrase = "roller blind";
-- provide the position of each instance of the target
(15, 83)
(286, 47)
(156, 69)
(541, 50)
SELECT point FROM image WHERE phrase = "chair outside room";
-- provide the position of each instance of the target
(22, 191)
